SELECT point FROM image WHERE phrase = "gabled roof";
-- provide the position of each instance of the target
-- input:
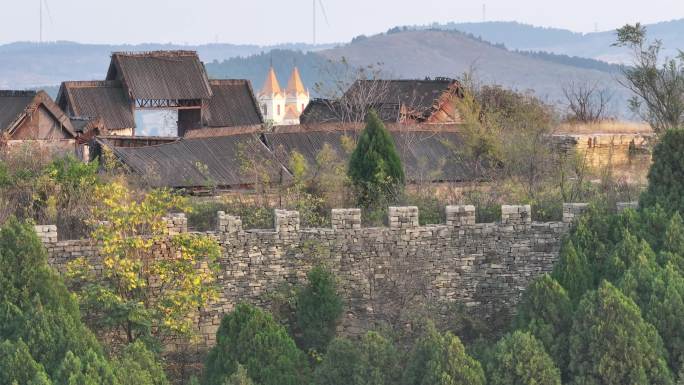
(295, 86)
(233, 104)
(172, 75)
(417, 95)
(13, 105)
(271, 86)
(202, 162)
(418, 99)
(97, 99)
(16, 105)
(328, 111)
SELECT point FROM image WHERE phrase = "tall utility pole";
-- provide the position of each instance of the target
(484, 12)
(314, 22)
(40, 18)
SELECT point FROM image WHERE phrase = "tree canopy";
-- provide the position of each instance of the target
(374, 167)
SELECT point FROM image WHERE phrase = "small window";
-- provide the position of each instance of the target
(278, 109)
(264, 109)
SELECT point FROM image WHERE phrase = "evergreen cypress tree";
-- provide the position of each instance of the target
(573, 271)
(610, 344)
(666, 176)
(18, 367)
(659, 293)
(545, 311)
(319, 308)
(374, 167)
(35, 306)
(520, 359)
(44, 339)
(442, 359)
(251, 337)
(372, 361)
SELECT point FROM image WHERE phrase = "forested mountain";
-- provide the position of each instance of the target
(595, 45)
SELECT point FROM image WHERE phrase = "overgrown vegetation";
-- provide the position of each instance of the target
(43, 340)
(609, 314)
(656, 82)
(135, 293)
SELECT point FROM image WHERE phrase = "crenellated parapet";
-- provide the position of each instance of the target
(485, 266)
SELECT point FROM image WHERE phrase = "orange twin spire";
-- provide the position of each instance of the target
(271, 86)
(295, 85)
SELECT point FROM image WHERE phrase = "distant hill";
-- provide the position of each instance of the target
(416, 54)
(591, 45)
(507, 53)
(254, 67)
(30, 65)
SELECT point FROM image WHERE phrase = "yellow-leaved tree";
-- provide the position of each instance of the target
(147, 283)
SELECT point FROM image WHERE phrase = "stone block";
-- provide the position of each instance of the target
(176, 223)
(227, 225)
(403, 217)
(286, 221)
(622, 206)
(516, 214)
(573, 210)
(346, 219)
(461, 215)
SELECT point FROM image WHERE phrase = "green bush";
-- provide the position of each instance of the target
(252, 338)
(545, 311)
(520, 359)
(202, 216)
(319, 308)
(441, 359)
(371, 361)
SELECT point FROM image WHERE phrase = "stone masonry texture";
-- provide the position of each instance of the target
(382, 270)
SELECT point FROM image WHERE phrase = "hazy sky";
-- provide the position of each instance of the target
(277, 21)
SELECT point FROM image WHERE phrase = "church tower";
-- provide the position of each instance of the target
(296, 96)
(272, 99)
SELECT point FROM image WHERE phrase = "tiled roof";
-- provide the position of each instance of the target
(327, 111)
(419, 95)
(202, 162)
(233, 104)
(12, 106)
(173, 75)
(427, 155)
(97, 99)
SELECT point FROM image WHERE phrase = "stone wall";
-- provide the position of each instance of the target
(384, 272)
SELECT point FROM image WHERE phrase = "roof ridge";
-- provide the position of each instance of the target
(228, 81)
(156, 53)
(18, 93)
(92, 83)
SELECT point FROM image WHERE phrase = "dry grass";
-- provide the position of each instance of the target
(607, 127)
